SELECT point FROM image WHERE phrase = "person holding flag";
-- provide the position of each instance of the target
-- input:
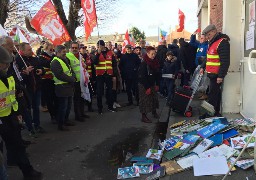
(75, 58)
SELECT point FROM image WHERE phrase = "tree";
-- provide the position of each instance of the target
(137, 34)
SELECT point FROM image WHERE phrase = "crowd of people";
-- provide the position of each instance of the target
(56, 76)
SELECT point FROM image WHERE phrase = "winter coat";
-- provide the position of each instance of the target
(187, 55)
(201, 49)
(161, 54)
(129, 65)
(224, 53)
(170, 67)
(32, 80)
(174, 48)
(66, 89)
(147, 76)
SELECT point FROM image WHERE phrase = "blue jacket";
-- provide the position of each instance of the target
(201, 48)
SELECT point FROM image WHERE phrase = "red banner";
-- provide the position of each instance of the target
(47, 23)
(90, 16)
(181, 21)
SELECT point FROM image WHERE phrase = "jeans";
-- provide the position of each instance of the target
(3, 172)
(35, 98)
(101, 80)
(170, 87)
(64, 107)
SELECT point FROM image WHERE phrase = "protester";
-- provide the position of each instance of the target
(129, 66)
(64, 79)
(137, 50)
(202, 47)
(32, 79)
(48, 93)
(216, 65)
(149, 79)
(3, 172)
(11, 119)
(39, 50)
(170, 70)
(187, 54)
(143, 47)
(74, 58)
(104, 64)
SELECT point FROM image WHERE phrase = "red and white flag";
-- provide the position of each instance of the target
(47, 23)
(181, 21)
(126, 41)
(90, 16)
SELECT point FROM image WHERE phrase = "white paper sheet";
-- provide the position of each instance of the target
(210, 166)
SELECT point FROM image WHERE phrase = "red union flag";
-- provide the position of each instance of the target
(181, 21)
(47, 23)
(126, 41)
(90, 16)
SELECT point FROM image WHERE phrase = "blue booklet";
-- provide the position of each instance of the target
(211, 129)
(128, 172)
(191, 139)
(230, 133)
(217, 139)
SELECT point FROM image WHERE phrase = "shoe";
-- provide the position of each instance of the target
(85, 116)
(204, 116)
(62, 128)
(26, 143)
(69, 123)
(11, 164)
(111, 110)
(145, 119)
(33, 134)
(53, 120)
(116, 105)
(81, 119)
(129, 104)
(33, 174)
(218, 114)
(90, 109)
(39, 129)
(203, 97)
(100, 111)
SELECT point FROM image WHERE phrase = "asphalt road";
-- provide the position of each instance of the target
(91, 150)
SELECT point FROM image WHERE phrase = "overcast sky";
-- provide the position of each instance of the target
(148, 15)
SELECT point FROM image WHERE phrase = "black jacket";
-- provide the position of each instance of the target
(224, 53)
(32, 80)
(174, 48)
(148, 77)
(170, 67)
(129, 65)
(43, 58)
(161, 54)
(187, 55)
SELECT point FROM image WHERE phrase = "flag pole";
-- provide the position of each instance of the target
(21, 57)
(158, 29)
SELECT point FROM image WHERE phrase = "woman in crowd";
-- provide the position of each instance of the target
(149, 79)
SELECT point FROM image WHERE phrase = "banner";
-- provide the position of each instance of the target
(181, 21)
(162, 35)
(19, 36)
(47, 23)
(90, 16)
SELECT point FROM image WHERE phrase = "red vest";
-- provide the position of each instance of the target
(48, 73)
(213, 58)
(105, 64)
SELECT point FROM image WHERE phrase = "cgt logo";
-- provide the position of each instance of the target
(2, 102)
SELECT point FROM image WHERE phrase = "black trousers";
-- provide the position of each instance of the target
(10, 133)
(132, 86)
(49, 95)
(78, 102)
(101, 81)
(214, 96)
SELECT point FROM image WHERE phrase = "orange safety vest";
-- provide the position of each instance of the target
(48, 73)
(89, 65)
(213, 58)
(105, 64)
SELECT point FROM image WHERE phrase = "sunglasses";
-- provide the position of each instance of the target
(52, 50)
(83, 47)
(74, 47)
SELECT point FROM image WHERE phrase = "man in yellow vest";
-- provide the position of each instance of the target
(10, 118)
(216, 65)
(64, 79)
(74, 58)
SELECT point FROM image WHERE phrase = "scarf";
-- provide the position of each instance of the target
(152, 63)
